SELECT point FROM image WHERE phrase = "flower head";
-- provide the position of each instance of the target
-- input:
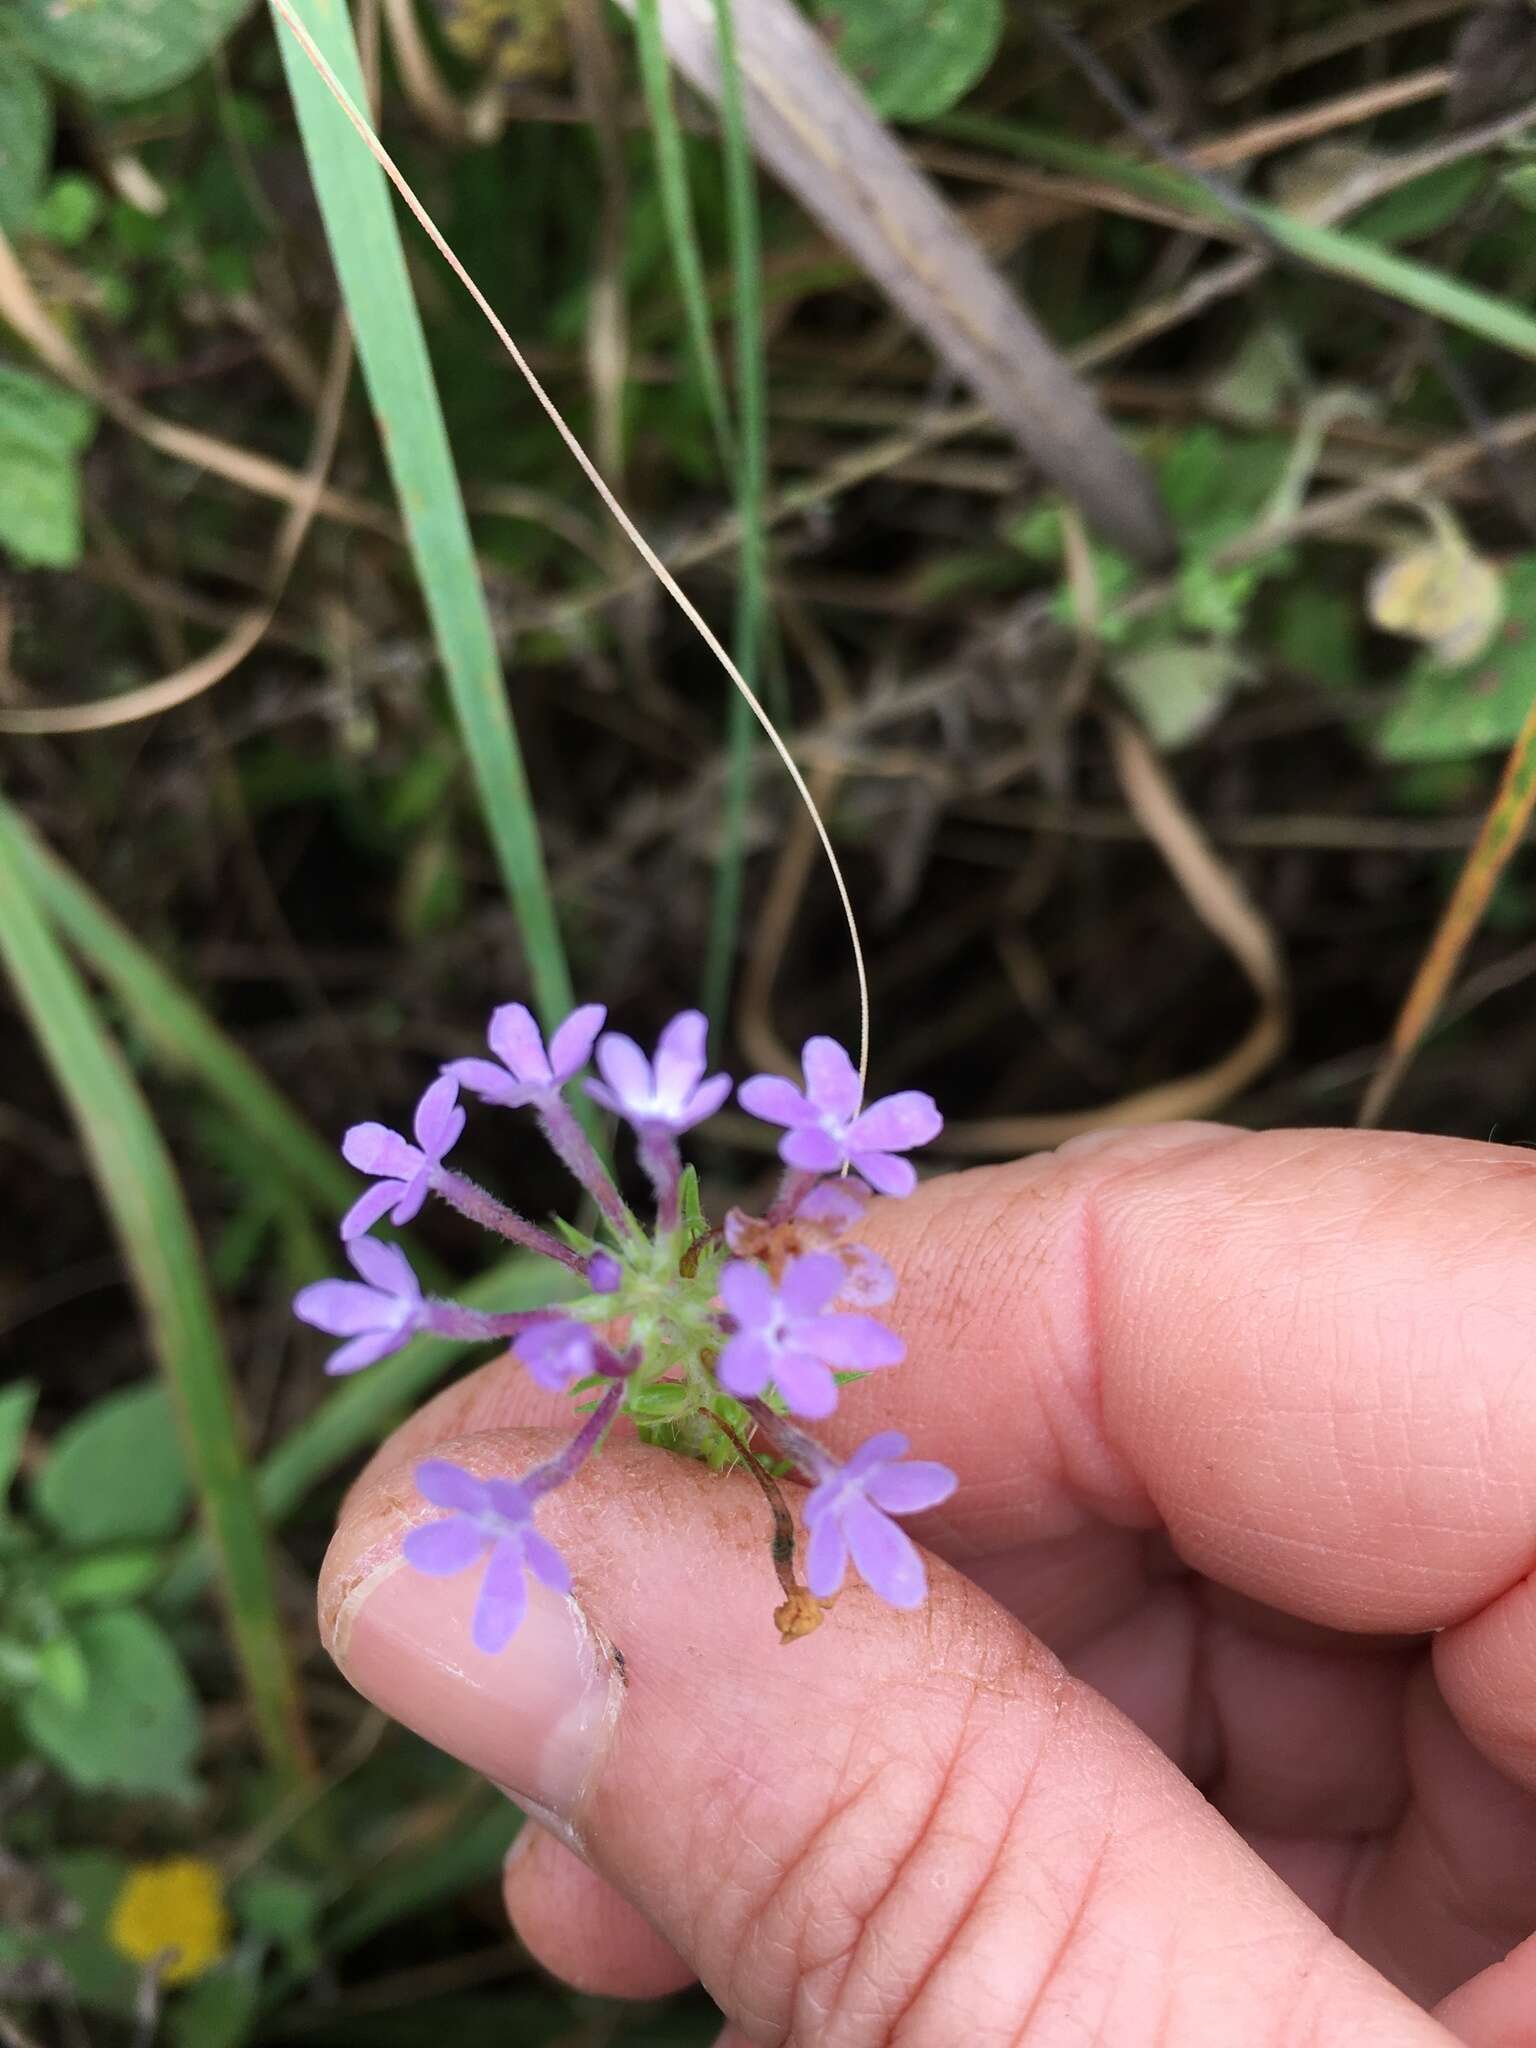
(485, 1515)
(405, 1170)
(558, 1353)
(380, 1314)
(173, 1914)
(784, 1334)
(850, 1512)
(527, 1072)
(669, 1093)
(825, 1128)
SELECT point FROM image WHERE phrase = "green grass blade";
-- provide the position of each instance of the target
(177, 1029)
(1330, 249)
(370, 263)
(139, 1186)
(677, 213)
(751, 492)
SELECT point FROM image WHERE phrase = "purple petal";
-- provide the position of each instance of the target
(503, 1599)
(855, 1343)
(806, 1385)
(868, 1281)
(557, 1353)
(386, 1267)
(896, 1123)
(571, 1046)
(810, 1282)
(826, 1557)
(775, 1100)
(515, 1038)
(490, 1082)
(626, 1070)
(814, 1151)
(747, 1292)
(342, 1308)
(909, 1488)
(835, 1205)
(509, 1499)
(545, 1562)
(831, 1079)
(604, 1273)
(370, 1205)
(887, 1174)
(439, 1121)
(375, 1148)
(442, 1548)
(883, 1448)
(704, 1101)
(885, 1555)
(366, 1350)
(606, 1099)
(745, 1365)
(450, 1486)
(680, 1053)
(412, 1195)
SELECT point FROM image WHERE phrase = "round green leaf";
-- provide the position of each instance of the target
(123, 49)
(1446, 712)
(26, 137)
(915, 58)
(136, 1730)
(116, 1474)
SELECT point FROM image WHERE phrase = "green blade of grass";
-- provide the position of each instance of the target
(677, 214)
(751, 491)
(370, 264)
(177, 1029)
(143, 1196)
(1325, 248)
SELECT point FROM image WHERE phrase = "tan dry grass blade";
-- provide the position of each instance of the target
(820, 137)
(1502, 831)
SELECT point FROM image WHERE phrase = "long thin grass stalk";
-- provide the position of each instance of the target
(678, 216)
(751, 493)
(177, 1029)
(370, 263)
(143, 1196)
(1332, 249)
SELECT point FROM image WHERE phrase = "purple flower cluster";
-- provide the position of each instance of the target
(755, 1323)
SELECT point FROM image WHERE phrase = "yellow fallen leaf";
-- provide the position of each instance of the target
(1440, 591)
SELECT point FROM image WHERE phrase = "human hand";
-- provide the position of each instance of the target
(1246, 1434)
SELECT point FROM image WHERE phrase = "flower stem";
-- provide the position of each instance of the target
(575, 1151)
(484, 1209)
(663, 1164)
(472, 1326)
(813, 1463)
(545, 1478)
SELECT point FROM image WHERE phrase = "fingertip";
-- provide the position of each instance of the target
(580, 1929)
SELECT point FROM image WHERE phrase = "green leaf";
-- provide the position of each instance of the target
(116, 1474)
(915, 58)
(1425, 205)
(42, 433)
(284, 1910)
(68, 211)
(16, 1405)
(218, 2011)
(90, 1880)
(26, 137)
(123, 49)
(137, 1728)
(62, 1672)
(1448, 712)
(1178, 687)
(104, 1580)
(1520, 184)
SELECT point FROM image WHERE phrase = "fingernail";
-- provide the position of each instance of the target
(537, 1718)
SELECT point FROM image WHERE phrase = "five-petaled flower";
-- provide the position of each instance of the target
(827, 1130)
(784, 1334)
(851, 1509)
(485, 1515)
(379, 1317)
(405, 1170)
(527, 1072)
(669, 1093)
(558, 1353)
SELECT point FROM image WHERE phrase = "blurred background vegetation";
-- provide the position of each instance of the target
(1140, 820)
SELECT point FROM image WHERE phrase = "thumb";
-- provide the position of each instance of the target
(912, 1827)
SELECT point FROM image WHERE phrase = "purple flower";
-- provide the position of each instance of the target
(850, 1512)
(827, 1130)
(405, 1171)
(527, 1073)
(669, 1094)
(558, 1353)
(494, 1515)
(783, 1333)
(380, 1317)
